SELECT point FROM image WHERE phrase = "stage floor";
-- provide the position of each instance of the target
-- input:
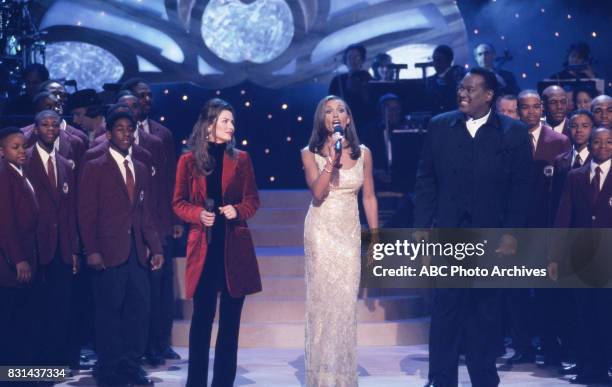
(378, 367)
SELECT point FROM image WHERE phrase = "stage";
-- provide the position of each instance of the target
(384, 366)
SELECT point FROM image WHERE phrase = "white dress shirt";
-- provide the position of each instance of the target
(44, 156)
(145, 125)
(536, 136)
(559, 128)
(605, 168)
(474, 124)
(584, 154)
(119, 159)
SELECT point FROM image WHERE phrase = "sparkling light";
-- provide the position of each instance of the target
(288, 138)
(218, 92)
(166, 91)
(245, 142)
(594, 34)
(516, 15)
(247, 103)
(184, 142)
(267, 151)
(284, 106)
(524, 75)
(557, 34)
(272, 178)
(537, 64)
(569, 16)
(542, 10)
(79, 23)
(185, 97)
(502, 37)
(162, 118)
(476, 31)
(269, 116)
(529, 47)
(242, 92)
(299, 118)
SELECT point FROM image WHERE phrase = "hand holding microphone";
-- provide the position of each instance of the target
(336, 150)
(207, 217)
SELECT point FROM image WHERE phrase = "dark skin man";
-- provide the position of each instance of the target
(601, 107)
(555, 105)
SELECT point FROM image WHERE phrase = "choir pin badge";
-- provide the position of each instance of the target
(141, 196)
(610, 201)
(65, 188)
(152, 171)
(549, 170)
(72, 165)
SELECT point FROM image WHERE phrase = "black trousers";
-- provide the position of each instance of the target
(53, 304)
(517, 303)
(211, 283)
(122, 303)
(470, 317)
(162, 301)
(81, 313)
(17, 326)
(593, 318)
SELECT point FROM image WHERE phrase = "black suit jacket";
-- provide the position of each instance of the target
(479, 182)
(562, 165)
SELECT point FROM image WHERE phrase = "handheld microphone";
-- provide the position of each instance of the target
(338, 136)
(209, 205)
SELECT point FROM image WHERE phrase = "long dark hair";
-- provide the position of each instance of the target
(319, 131)
(200, 138)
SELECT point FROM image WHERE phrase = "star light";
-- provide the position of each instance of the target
(185, 97)
(272, 179)
(245, 142)
(242, 92)
(529, 47)
(269, 116)
(299, 118)
(218, 92)
(288, 138)
(162, 118)
(166, 91)
(594, 34)
(524, 75)
(476, 31)
(557, 34)
(267, 151)
(247, 103)
(284, 106)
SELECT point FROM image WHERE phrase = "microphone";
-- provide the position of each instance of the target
(209, 205)
(338, 136)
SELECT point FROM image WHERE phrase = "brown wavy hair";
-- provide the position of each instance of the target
(200, 139)
(319, 131)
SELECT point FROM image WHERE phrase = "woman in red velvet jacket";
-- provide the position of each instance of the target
(225, 263)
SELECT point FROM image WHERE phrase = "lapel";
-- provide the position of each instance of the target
(64, 144)
(567, 160)
(605, 195)
(539, 152)
(20, 181)
(112, 166)
(40, 172)
(584, 184)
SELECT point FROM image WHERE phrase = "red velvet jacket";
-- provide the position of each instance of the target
(238, 189)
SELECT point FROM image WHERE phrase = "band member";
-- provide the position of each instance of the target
(117, 231)
(54, 184)
(18, 221)
(216, 193)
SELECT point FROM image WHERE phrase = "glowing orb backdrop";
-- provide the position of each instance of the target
(220, 43)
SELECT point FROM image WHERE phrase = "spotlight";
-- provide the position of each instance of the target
(185, 97)
(284, 106)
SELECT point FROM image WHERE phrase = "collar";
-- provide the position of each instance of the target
(536, 132)
(144, 124)
(559, 128)
(119, 158)
(136, 137)
(44, 155)
(18, 169)
(63, 124)
(479, 121)
(605, 166)
(584, 153)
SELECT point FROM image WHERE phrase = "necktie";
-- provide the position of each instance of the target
(533, 144)
(129, 180)
(595, 185)
(577, 162)
(51, 172)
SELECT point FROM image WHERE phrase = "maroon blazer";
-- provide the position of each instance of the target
(70, 147)
(18, 220)
(562, 165)
(107, 219)
(146, 158)
(550, 145)
(168, 175)
(575, 208)
(238, 189)
(57, 208)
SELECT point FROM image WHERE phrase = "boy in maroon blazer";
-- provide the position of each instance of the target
(18, 220)
(587, 203)
(172, 227)
(117, 232)
(54, 184)
(581, 123)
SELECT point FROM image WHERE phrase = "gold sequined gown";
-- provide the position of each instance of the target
(332, 244)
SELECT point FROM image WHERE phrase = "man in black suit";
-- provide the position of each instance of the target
(474, 172)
